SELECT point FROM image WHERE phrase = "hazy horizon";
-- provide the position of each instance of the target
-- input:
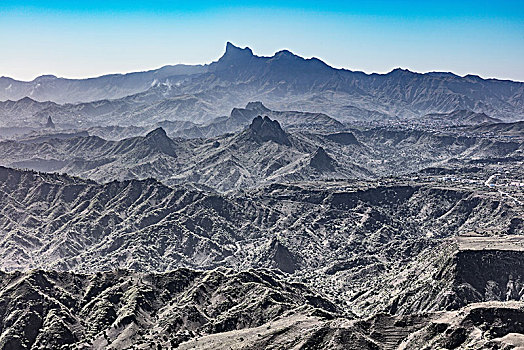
(89, 39)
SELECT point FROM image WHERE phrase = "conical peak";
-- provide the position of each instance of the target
(158, 139)
(321, 161)
(265, 129)
(49, 123)
(26, 99)
(157, 133)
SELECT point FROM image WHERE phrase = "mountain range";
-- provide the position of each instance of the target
(283, 81)
(262, 203)
(261, 152)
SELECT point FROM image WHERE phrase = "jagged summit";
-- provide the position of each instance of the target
(321, 161)
(257, 106)
(265, 129)
(235, 54)
(236, 50)
(235, 62)
(401, 71)
(286, 79)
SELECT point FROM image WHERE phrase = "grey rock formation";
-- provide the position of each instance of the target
(321, 161)
(261, 153)
(265, 129)
(49, 124)
(122, 308)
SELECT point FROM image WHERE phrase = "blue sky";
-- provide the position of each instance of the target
(90, 38)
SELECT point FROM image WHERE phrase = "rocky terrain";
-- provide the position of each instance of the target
(263, 152)
(346, 244)
(262, 203)
(123, 309)
(238, 119)
(58, 222)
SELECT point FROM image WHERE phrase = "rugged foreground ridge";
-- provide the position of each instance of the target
(397, 263)
(223, 309)
(139, 310)
(58, 222)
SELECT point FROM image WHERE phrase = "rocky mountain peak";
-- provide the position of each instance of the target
(282, 258)
(159, 139)
(286, 54)
(257, 106)
(27, 100)
(265, 129)
(401, 71)
(49, 123)
(235, 53)
(321, 161)
(157, 133)
(46, 77)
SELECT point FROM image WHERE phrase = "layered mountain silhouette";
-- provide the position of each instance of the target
(287, 81)
(262, 152)
(239, 118)
(262, 203)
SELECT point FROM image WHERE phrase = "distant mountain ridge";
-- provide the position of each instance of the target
(64, 90)
(283, 81)
(260, 153)
(462, 117)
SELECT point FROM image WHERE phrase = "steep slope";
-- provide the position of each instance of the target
(359, 247)
(52, 221)
(22, 112)
(471, 269)
(223, 309)
(493, 325)
(91, 156)
(261, 153)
